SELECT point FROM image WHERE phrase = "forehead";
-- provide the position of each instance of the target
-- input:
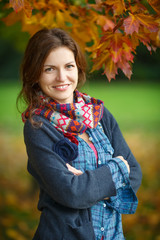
(60, 55)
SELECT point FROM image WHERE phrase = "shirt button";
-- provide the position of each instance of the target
(90, 139)
(99, 162)
(104, 205)
(102, 229)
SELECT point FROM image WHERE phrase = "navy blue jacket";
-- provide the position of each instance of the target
(65, 199)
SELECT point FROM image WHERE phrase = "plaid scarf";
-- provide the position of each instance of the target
(71, 118)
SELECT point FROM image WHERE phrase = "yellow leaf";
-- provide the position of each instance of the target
(56, 4)
(41, 4)
(147, 21)
(13, 234)
(119, 53)
(100, 61)
(31, 25)
(118, 6)
(155, 5)
(27, 8)
(60, 19)
(110, 69)
(48, 19)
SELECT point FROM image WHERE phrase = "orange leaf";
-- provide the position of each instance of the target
(19, 5)
(134, 21)
(27, 8)
(105, 22)
(131, 24)
(100, 61)
(144, 38)
(147, 21)
(125, 67)
(12, 18)
(110, 69)
(155, 5)
(114, 51)
(118, 6)
(32, 24)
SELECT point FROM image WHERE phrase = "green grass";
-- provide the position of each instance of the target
(134, 105)
(10, 119)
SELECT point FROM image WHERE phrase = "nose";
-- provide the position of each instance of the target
(61, 75)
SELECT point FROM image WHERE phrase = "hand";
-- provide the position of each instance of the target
(74, 170)
(126, 163)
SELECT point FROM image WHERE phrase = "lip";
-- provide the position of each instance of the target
(61, 87)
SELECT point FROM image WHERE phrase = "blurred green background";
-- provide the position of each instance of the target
(135, 105)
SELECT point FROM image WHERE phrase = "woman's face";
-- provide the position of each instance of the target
(59, 75)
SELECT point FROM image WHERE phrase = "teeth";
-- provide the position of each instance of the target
(62, 86)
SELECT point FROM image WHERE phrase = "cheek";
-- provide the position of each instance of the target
(44, 80)
(75, 76)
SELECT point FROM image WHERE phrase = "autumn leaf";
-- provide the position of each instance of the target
(41, 4)
(110, 30)
(100, 60)
(131, 24)
(105, 61)
(106, 23)
(125, 66)
(145, 39)
(114, 51)
(19, 5)
(12, 18)
(137, 7)
(155, 5)
(118, 6)
(134, 40)
(147, 21)
(110, 69)
(48, 19)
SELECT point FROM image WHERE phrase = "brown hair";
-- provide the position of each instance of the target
(37, 50)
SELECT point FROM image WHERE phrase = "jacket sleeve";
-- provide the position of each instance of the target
(51, 172)
(121, 148)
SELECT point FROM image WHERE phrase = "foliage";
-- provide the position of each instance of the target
(109, 30)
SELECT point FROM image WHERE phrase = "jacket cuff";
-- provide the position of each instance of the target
(104, 181)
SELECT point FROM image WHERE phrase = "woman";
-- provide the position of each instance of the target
(87, 174)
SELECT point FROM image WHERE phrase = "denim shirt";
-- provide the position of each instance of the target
(106, 215)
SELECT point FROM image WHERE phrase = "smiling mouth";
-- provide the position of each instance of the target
(62, 86)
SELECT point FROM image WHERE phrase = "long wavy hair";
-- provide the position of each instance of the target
(39, 47)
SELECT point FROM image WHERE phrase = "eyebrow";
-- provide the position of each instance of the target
(50, 65)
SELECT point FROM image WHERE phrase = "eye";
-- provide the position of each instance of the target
(70, 66)
(48, 69)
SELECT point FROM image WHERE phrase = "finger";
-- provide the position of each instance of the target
(78, 174)
(125, 161)
(127, 165)
(120, 157)
(74, 170)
